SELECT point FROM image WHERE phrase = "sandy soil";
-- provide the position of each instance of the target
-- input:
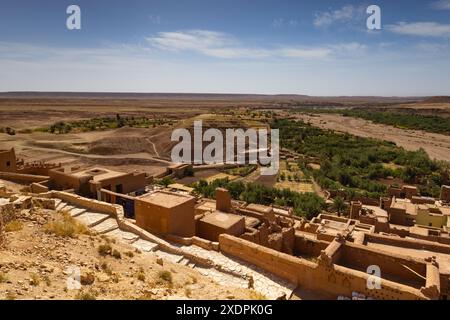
(34, 265)
(436, 145)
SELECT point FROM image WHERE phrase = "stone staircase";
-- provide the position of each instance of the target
(225, 270)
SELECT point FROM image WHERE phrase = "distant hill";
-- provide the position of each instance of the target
(291, 98)
(437, 99)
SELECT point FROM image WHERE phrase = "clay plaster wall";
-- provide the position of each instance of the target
(336, 280)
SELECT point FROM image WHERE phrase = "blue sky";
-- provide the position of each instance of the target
(260, 46)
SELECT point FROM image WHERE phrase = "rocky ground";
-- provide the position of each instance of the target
(36, 263)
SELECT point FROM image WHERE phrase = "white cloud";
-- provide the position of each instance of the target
(441, 5)
(324, 19)
(424, 29)
(221, 45)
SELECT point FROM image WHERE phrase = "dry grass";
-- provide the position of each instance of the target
(254, 295)
(86, 295)
(104, 249)
(66, 226)
(14, 225)
(35, 280)
(3, 277)
(166, 276)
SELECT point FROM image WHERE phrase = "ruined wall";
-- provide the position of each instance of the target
(445, 193)
(22, 178)
(8, 161)
(397, 216)
(335, 280)
(308, 247)
(393, 268)
(406, 243)
(38, 188)
(64, 181)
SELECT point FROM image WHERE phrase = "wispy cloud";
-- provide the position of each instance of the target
(221, 45)
(441, 5)
(327, 18)
(423, 29)
(281, 22)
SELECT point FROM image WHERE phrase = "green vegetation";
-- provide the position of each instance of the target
(8, 130)
(165, 181)
(104, 123)
(427, 123)
(402, 120)
(165, 276)
(242, 171)
(339, 205)
(356, 164)
(307, 205)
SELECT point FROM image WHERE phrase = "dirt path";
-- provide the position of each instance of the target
(436, 145)
(141, 155)
(154, 146)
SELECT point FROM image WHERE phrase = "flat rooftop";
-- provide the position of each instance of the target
(166, 199)
(98, 173)
(377, 211)
(406, 205)
(259, 208)
(222, 219)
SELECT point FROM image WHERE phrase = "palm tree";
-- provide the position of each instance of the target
(339, 205)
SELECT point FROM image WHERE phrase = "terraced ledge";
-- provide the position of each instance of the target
(197, 253)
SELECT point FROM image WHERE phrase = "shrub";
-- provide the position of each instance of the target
(66, 226)
(3, 277)
(116, 254)
(165, 276)
(35, 280)
(88, 295)
(104, 249)
(14, 225)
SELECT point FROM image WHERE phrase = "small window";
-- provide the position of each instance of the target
(8, 163)
(430, 224)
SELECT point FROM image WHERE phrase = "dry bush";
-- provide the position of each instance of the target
(165, 276)
(66, 226)
(86, 295)
(104, 250)
(14, 225)
(254, 295)
(35, 280)
(3, 277)
(116, 254)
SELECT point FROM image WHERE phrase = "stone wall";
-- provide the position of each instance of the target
(406, 243)
(335, 280)
(22, 178)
